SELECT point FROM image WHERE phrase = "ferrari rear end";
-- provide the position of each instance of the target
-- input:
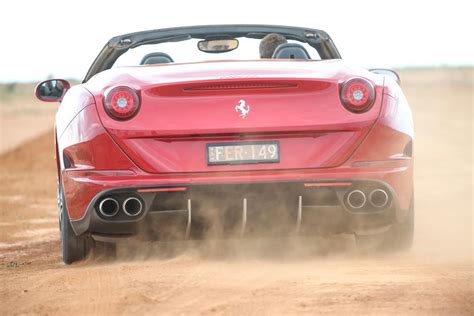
(277, 148)
(297, 144)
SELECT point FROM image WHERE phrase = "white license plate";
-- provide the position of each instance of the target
(243, 153)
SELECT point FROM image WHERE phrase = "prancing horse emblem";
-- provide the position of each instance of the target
(242, 108)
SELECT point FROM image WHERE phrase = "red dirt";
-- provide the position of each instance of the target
(258, 277)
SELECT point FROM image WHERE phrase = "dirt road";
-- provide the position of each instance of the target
(259, 277)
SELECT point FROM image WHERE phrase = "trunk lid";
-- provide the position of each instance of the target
(186, 107)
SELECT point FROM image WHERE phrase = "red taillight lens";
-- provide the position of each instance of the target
(357, 95)
(122, 103)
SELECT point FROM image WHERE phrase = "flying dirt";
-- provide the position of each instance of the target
(253, 276)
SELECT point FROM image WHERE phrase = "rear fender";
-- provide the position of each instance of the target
(392, 135)
(86, 146)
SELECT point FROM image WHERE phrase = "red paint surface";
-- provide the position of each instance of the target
(185, 107)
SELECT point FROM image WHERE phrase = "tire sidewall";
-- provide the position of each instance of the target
(72, 247)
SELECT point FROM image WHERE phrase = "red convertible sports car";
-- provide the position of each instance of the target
(188, 133)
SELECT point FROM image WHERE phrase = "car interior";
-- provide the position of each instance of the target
(156, 58)
(291, 51)
(283, 51)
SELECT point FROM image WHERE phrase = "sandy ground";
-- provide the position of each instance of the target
(22, 117)
(254, 277)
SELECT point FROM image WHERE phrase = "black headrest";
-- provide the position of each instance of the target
(290, 51)
(156, 58)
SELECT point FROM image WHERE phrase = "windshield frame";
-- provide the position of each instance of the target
(118, 45)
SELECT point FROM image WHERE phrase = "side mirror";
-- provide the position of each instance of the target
(387, 73)
(52, 90)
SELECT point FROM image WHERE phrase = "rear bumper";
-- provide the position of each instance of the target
(84, 190)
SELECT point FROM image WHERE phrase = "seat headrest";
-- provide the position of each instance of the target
(290, 51)
(156, 58)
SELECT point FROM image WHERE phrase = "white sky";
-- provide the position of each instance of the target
(42, 37)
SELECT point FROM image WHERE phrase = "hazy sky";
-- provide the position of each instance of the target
(62, 38)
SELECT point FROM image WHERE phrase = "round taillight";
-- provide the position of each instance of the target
(357, 95)
(122, 103)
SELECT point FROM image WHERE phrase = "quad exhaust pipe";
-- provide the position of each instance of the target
(378, 198)
(109, 207)
(132, 206)
(356, 199)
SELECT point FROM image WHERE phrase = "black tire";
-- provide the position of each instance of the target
(73, 248)
(398, 238)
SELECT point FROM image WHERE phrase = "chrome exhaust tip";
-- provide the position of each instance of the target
(109, 207)
(356, 199)
(132, 206)
(378, 198)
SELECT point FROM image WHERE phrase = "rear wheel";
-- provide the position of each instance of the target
(398, 238)
(73, 248)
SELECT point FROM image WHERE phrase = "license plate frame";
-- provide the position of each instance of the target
(242, 161)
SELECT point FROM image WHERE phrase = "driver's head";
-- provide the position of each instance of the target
(269, 43)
